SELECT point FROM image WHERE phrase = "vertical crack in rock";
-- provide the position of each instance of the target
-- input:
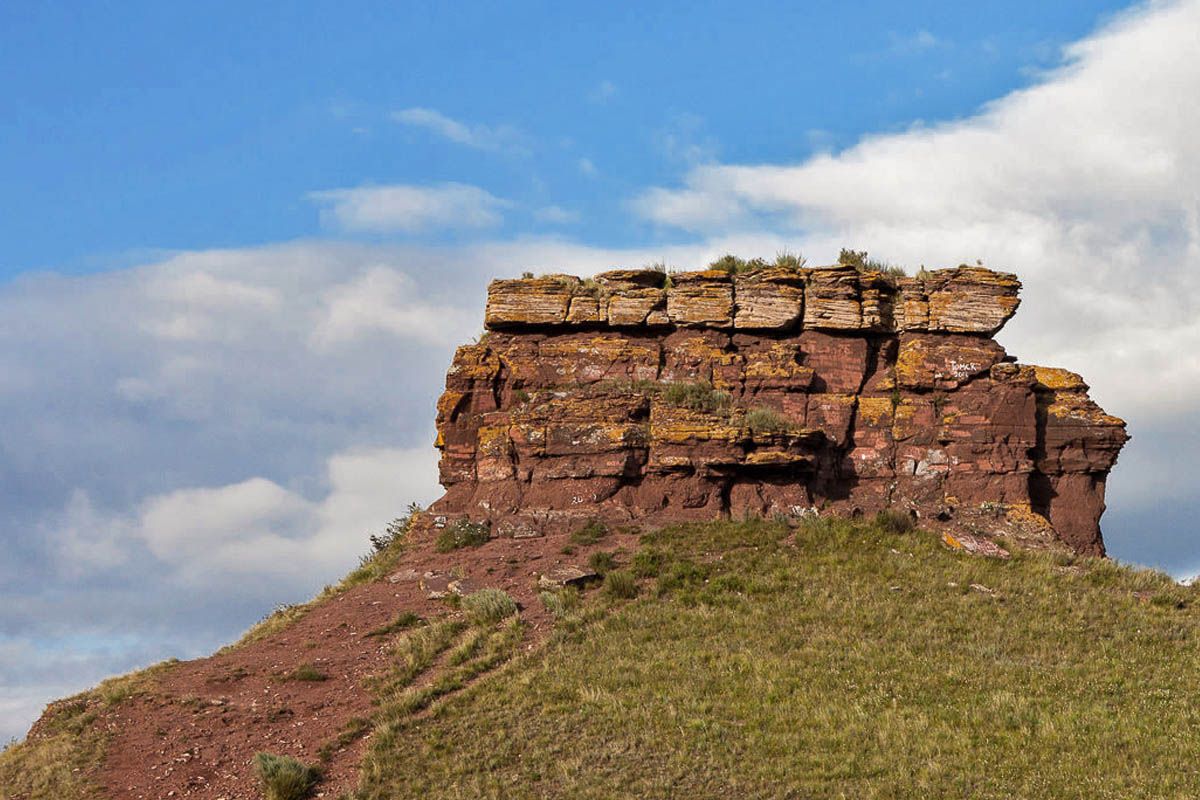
(833, 388)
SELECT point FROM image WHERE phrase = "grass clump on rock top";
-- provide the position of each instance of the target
(697, 396)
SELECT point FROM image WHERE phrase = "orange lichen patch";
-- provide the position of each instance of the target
(779, 364)
(670, 424)
(776, 458)
(875, 410)
(951, 542)
(1023, 515)
(475, 362)
(903, 416)
(493, 440)
(1055, 378)
(449, 403)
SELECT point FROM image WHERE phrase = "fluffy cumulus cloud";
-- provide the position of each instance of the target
(409, 209)
(1084, 183)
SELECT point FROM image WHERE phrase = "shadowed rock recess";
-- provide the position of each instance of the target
(642, 398)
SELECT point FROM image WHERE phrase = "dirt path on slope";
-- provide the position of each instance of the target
(196, 732)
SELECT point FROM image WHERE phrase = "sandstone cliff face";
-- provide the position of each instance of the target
(631, 398)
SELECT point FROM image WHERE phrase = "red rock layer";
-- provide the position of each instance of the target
(831, 390)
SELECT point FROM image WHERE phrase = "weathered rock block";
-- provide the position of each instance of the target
(770, 392)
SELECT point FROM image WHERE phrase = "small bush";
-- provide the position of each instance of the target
(764, 420)
(562, 603)
(648, 563)
(601, 562)
(306, 672)
(488, 606)
(284, 778)
(395, 530)
(894, 521)
(592, 532)
(739, 266)
(620, 585)
(789, 260)
(462, 533)
(860, 261)
(698, 396)
(729, 263)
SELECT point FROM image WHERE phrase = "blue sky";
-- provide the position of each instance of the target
(147, 126)
(239, 244)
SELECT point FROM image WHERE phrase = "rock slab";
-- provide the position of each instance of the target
(638, 397)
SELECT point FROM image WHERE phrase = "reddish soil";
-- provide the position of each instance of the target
(196, 732)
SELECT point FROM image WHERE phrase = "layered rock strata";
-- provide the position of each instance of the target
(637, 398)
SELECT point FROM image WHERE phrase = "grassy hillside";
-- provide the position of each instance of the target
(841, 661)
(755, 660)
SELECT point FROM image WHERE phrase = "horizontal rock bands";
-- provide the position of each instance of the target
(965, 300)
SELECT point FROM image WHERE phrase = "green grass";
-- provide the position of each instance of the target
(766, 420)
(57, 763)
(698, 396)
(488, 606)
(307, 673)
(591, 532)
(842, 661)
(601, 562)
(284, 778)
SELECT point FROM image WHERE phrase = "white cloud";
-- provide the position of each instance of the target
(502, 139)
(260, 529)
(383, 300)
(1085, 184)
(410, 209)
(588, 168)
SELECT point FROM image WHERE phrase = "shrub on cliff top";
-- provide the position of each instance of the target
(698, 396)
(863, 263)
(283, 777)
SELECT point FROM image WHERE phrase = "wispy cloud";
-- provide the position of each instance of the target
(409, 209)
(683, 140)
(500, 139)
(588, 168)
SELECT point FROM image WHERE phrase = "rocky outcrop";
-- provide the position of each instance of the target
(641, 398)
